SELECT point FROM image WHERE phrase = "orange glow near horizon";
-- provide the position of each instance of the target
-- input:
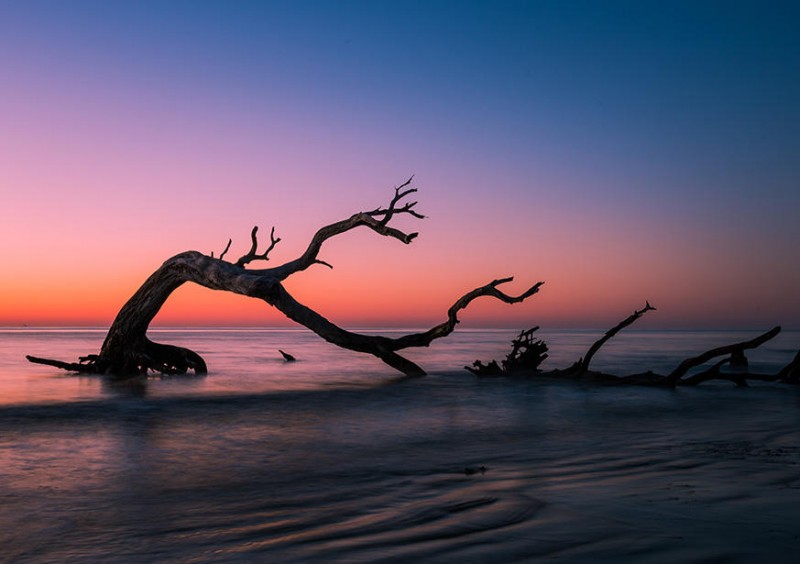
(593, 278)
(125, 144)
(390, 292)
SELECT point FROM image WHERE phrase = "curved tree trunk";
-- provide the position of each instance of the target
(127, 350)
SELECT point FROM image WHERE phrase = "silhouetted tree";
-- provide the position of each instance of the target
(128, 351)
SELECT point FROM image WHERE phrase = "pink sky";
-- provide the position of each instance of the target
(125, 144)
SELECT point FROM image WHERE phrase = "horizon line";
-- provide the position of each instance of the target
(298, 328)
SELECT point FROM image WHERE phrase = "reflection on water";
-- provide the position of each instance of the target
(247, 360)
(331, 459)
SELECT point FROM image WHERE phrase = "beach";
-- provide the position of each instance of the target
(336, 459)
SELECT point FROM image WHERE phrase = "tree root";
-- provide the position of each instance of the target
(150, 357)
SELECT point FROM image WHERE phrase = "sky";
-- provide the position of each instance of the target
(618, 151)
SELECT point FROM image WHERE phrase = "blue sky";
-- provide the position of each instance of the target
(617, 150)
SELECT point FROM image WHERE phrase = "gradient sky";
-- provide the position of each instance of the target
(620, 151)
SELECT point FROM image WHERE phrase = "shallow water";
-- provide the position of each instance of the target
(334, 459)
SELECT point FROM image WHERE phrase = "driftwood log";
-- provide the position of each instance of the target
(528, 353)
(286, 356)
(127, 351)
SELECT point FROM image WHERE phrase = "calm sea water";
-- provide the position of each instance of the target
(335, 459)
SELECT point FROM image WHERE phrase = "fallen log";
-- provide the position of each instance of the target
(735, 360)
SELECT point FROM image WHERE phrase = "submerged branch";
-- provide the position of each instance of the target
(735, 349)
(738, 372)
(583, 364)
(71, 366)
(791, 372)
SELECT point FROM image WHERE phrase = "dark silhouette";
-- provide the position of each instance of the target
(127, 351)
(527, 354)
(286, 356)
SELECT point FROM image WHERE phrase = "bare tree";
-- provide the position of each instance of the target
(128, 351)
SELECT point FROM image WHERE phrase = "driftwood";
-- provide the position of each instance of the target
(527, 354)
(286, 356)
(583, 364)
(127, 351)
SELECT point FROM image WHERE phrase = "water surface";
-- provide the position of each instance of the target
(335, 459)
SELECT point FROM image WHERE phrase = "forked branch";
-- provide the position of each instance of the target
(252, 254)
(424, 339)
(384, 348)
(367, 219)
(399, 193)
(736, 349)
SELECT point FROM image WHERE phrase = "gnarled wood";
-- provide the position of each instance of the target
(127, 350)
(527, 353)
(739, 373)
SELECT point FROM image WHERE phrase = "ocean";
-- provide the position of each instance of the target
(334, 458)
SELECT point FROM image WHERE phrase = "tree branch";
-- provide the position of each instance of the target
(583, 364)
(424, 339)
(227, 248)
(526, 363)
(367, 219)
(70, 366)
(791, 372)
(383, 347)
(252, 255)
(736, 349)
(399, 194)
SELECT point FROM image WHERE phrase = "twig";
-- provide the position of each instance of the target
(227, 247)
(252, 255)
